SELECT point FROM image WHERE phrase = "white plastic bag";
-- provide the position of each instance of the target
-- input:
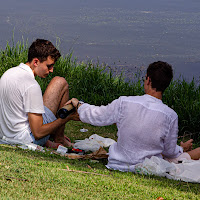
(106, 142)
(93, 143)
(154, 165)
(187, 171)
(88, 145)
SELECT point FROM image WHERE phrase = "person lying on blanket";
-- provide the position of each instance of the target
(146, 126)
(25, 114)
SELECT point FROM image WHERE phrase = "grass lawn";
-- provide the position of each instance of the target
(27, 174)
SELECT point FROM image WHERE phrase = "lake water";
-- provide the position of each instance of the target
(125, 34)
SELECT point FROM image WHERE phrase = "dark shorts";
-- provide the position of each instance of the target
(48, 117)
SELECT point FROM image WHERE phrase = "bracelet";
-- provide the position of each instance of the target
(77, 105)
(80, 102)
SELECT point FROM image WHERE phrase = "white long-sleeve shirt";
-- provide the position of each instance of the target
(146, 127)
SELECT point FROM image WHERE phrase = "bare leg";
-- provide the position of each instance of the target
(194, 154)
(55, 96)
(53, 145)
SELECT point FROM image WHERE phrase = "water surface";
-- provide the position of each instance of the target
(129, 33)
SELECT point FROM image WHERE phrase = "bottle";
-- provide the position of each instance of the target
(65, 111)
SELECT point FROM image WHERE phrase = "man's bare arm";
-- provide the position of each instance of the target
(40, 130)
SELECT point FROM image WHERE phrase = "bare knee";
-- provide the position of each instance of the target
(56, 94)
(60, 81)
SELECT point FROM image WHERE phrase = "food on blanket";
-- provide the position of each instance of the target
(65, 111)
(78, 151)
(63, 150)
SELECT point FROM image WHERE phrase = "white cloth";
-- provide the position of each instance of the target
(20, 93)
(146, 128)
(187, 171)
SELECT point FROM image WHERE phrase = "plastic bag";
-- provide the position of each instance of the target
(187, 171)
(93, 143)
(106, 142)
(155, 166)
(88, 145)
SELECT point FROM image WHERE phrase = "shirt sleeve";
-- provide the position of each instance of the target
(32, 100)
(171, 149)
(100, 115)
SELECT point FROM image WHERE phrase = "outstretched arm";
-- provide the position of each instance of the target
(98, 115)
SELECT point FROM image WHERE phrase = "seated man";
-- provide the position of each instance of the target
(146, 126)
(25, 114)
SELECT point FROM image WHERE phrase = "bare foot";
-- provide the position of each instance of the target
(67, 138)
(64, 141)
(53, 145)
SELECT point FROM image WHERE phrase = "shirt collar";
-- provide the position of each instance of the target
(154, 98)
(27, 68)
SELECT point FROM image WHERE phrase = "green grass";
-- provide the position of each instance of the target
(34, 175)
(26, 174)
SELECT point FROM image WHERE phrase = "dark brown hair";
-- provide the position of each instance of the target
(41, 49)
(160, 74)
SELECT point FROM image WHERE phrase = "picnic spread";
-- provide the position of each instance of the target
(187, 170)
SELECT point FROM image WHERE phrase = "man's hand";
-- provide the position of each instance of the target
(73, 116)
(187, 146)
(73, 101)
(40, 130)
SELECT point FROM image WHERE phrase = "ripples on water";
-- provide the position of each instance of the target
(126, 35)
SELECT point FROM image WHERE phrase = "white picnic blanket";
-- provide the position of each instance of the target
(93, 143)
(188, 170)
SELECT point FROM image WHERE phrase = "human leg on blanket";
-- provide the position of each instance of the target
(55, 96)
(188, 153)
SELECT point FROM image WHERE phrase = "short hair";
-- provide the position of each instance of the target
(160, 74)
(42, 49)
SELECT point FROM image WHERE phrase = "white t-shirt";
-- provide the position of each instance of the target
(146, 127)
(20, 93)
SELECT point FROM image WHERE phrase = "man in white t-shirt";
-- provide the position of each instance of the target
(146, 126)
(25, 114)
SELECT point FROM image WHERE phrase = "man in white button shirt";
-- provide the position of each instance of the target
(146, 126)
(25, 114)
